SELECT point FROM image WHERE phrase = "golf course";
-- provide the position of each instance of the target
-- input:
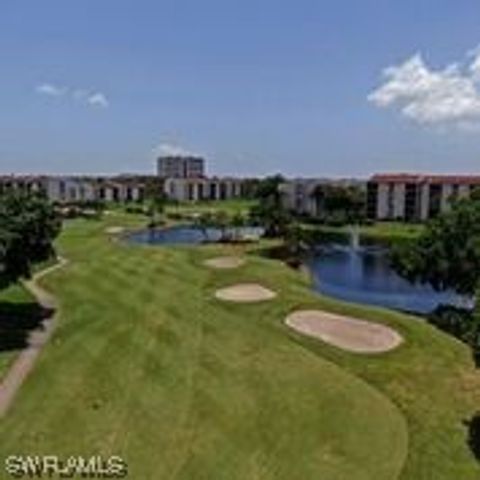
(147, 363)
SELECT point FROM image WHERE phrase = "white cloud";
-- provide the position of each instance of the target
(98, 99)
(171, 150)
(81, 95)
(448, 96)
(475, 63)
(51, 90)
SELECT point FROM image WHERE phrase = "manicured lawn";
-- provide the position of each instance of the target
(383, 232)
(232, 207)
(146, 364)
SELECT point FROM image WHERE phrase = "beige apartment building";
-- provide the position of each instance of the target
(180, 167)
(195, 189)
(62, 189)
(415, 197)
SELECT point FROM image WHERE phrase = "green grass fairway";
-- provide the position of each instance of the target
(146, 364)
(232, 207)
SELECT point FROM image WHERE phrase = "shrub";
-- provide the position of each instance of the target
(474, 435)
(461, 323)
(135, 209)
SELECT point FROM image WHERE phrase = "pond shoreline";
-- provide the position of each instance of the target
(347, 271)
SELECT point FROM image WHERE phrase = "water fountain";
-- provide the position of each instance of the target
(354, 237)
(363, 274)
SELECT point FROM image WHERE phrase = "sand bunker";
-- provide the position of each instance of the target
(224, 262)
(245, 293)
(347, 333)
(115, 230)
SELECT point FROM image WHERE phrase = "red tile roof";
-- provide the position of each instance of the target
(425, 178)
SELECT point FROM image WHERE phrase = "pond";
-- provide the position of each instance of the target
(364, 275)
(352, 273)
(188, 235)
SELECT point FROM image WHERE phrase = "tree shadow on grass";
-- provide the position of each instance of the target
(17, 321)
(473, 426)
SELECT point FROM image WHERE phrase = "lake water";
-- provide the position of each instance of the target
(185, 235)
(359, 275)
(364, 275)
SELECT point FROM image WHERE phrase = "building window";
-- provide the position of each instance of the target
(223, 191)
(372, 200)
(434, 200)
(391, 200)
(213, 191)
(455, 192)
(190, 191)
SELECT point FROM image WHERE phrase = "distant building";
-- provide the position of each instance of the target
(120, 189)
(69, 189)
(181, 167)
(298, 195)
(25, 183)
(57, 189)
(415, 197)
(60, 189)
(195, 189)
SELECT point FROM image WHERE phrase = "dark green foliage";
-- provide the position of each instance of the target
(17, 321)
(136, 209)
(271, 215)
(461, 323)
(294, 243)
(474, 435)
(338, 205)
(238, 220)
(28, 226)
(256, 188)
(452, 320)
(447, 253)
(269, 212)
(268, 187)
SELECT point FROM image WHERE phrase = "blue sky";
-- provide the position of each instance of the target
(96, 86)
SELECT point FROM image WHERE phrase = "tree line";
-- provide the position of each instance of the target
(447, 256)
(29, 225)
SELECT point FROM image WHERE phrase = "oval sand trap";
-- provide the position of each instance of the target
(224, 262)
(347, 333)
(245, 293)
